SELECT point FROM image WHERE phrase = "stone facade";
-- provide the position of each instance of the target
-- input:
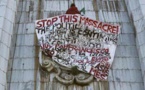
(19, 50)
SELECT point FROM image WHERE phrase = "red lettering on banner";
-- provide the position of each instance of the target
(100, 25)
(75, 17)
(90, 22)
(82, 19)
(77, 39)
(45, 46)
(115, 29)
(109, 28)
(95, 23)
(49, 22)
(46, 22)
(89, 50)
(100, 71)
(87, 22)
(61, 18)
(94, 60)
(54, 20)
(105, 27)
(43, 22)
(82, 49)
(39, 24)
(95, 72)
(68, 18)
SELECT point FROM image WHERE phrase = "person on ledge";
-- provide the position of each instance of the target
(73, 9)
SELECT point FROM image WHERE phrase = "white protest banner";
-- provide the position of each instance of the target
(75, 40)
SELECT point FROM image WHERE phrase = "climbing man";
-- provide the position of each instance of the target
(73, 9)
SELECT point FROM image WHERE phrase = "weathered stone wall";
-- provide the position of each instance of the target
(24, 72)
(136, 10)
(125, 71)
(8, 9)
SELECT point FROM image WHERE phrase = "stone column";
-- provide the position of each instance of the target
(7, 20)
(141, 37)
(136, 9)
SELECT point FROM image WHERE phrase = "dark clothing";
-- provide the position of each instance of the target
(72, 10)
